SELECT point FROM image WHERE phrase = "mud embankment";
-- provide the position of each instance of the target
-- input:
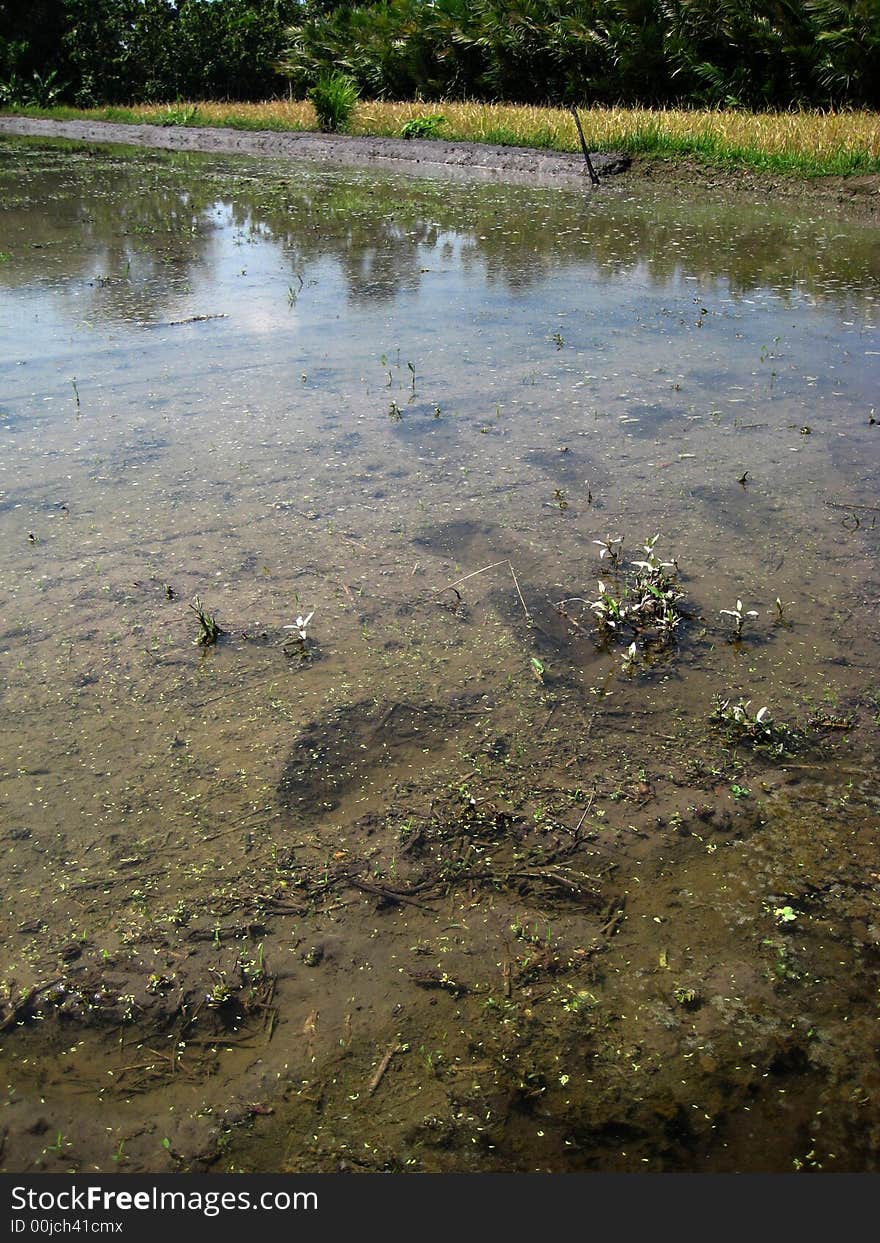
(431, 158)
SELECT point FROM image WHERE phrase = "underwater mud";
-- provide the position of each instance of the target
(520, 811)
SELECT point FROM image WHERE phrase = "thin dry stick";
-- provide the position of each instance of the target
(473, 574)
(520, 594)
(382, 1067)
(493, 566)
(507, 976)
(577, 828)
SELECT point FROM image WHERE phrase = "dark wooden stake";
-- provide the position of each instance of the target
(590, 169)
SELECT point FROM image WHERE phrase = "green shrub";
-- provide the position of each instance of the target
(423, 127)
(180, 114)
(40, 91)
(334, 96)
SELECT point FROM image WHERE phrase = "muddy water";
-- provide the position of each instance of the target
(461, 881)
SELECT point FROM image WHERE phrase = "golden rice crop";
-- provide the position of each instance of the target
(805, 141)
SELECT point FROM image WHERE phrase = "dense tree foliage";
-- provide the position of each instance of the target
(756, 53)
(759, 53)
(125, 51)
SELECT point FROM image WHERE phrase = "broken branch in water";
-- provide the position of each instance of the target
(190, 319)
(473, 574)
(382, 1067)
(520, 594)
(388, 895)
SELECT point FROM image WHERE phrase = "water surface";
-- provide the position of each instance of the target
(460, 826)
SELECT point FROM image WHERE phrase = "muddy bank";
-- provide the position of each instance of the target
(430, 158)
(859, 196)
(856, 196)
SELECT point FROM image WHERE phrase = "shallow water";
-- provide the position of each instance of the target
(412, 408)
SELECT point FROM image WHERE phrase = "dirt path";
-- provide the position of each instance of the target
(420, 156)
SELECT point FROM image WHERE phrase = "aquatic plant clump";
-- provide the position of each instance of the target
(296, 643)
(641, 606)
(644, 604)
(209, 631)
(758, 729)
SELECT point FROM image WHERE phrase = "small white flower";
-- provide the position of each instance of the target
(301, 624)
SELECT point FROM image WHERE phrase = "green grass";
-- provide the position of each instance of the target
(800, 144)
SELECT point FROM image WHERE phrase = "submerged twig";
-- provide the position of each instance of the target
(388, 895)
(520, 594)
(190, 319)
(494, 566)
(382, 1067)
(473, 574)
(577, 827)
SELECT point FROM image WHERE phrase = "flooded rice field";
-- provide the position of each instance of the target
(440, 687)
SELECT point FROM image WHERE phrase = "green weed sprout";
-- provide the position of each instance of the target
(296, 643)
(209, 631)
(610, 613)
(739, 617)
(610, 548)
